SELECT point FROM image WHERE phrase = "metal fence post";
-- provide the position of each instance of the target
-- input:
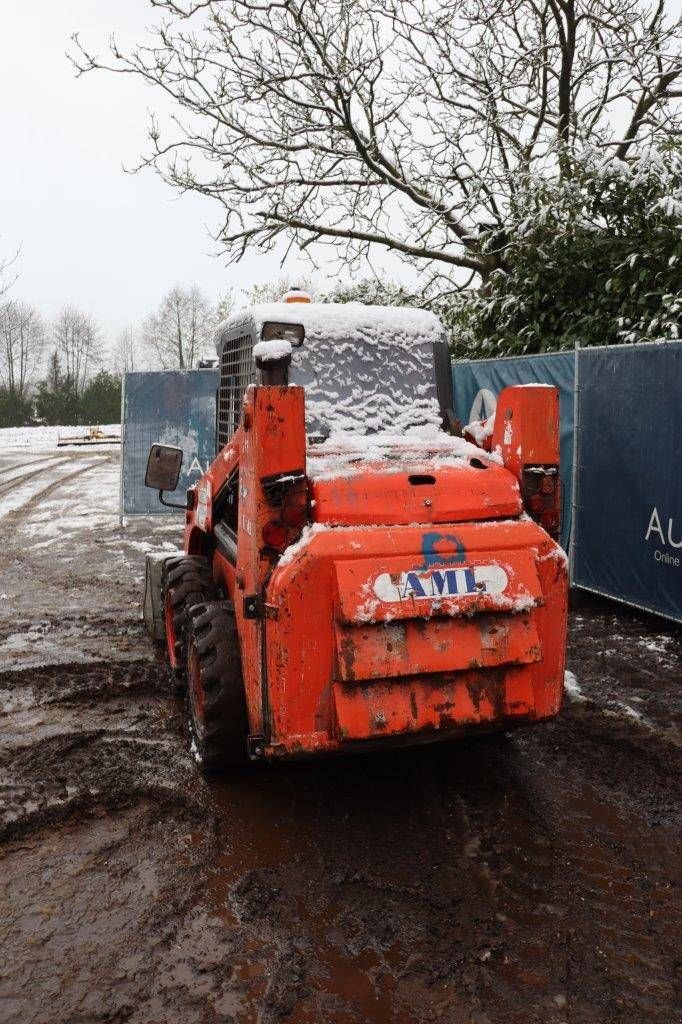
(574, 467)
(121, 518)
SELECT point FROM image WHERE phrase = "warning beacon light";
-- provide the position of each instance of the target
(296, 295)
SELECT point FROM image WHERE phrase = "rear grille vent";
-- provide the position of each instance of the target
(237, 371)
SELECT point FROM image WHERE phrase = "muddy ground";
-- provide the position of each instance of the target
(530, 878)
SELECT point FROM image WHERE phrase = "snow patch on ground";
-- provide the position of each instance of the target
(148, 548)
(572, 687)
(610, 707)
(659, 645)
(40, 438)
(629, 712)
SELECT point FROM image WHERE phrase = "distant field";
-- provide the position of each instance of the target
(40, 438)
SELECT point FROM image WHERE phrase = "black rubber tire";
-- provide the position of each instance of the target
(216, 701)
(187, 580)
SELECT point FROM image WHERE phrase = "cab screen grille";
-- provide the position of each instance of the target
(237, 371)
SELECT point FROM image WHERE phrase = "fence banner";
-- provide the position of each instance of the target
(627, 540)
(174, 407)
(477, 383)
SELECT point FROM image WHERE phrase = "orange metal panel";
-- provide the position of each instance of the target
(272, 444)
(279, 422)
(385, 708)
(527, 426)
(380, 495)
(419, 646)
(548, 675)
(301, 646)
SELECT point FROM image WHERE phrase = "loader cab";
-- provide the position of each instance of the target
(365, 369)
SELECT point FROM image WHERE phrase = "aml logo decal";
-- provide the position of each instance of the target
(479, 579)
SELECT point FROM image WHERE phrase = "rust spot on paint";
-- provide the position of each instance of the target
(488, 685)
(413, 704)
(348, 656)
(324, 705)
(447, 705)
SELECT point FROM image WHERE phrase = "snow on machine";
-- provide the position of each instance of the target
(354, 575)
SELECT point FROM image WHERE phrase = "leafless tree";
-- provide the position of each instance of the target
(399, 124)
(22, 340)
(273, 291)
(76, 339)
(125, 356)
(7, 276)
(224, 306)
(181, 330)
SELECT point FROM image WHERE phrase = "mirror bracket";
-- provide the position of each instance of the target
(187, 505)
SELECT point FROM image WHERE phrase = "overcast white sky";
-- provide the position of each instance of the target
(110, 243)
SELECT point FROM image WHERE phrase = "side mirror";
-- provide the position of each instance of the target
(163, 467)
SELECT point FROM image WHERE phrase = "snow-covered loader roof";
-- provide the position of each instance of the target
(339, 320)
(366, 369)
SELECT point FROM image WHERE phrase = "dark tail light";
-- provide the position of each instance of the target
(288, 498)
(543, 497)
(275, 535)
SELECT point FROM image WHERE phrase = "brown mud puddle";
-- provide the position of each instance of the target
(450, 885)
(529, 879)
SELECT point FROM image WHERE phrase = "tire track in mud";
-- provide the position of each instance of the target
(47, 490)
(97, 865)
(70, 582)
(520, 880)
(97, 735)
(96, 904)
(34, 468)
(589, 884)
(634, 959)
(570, 928)
(9, 521)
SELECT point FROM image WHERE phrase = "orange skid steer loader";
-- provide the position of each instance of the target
(354, 575)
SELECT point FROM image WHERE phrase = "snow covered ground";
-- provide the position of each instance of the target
(70, 576)
(45, 438)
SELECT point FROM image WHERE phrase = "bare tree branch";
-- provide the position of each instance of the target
(22, 341)
(77, 343)
(396, 125)
(181, 330)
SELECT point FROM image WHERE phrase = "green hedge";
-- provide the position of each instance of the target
(596, 257)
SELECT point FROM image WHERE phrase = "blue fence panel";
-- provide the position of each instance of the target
(477, 383)
(628, 530)
(174, 407)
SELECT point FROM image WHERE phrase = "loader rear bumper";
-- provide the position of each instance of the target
(418, 713)
(381, 636)
(307, 748)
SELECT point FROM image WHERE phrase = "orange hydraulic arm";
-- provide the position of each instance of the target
(266, 464)
(526, 435)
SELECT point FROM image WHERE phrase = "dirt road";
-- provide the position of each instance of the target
(523, 879)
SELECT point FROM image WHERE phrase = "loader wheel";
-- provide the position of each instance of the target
(217, 704)
(187, 581)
